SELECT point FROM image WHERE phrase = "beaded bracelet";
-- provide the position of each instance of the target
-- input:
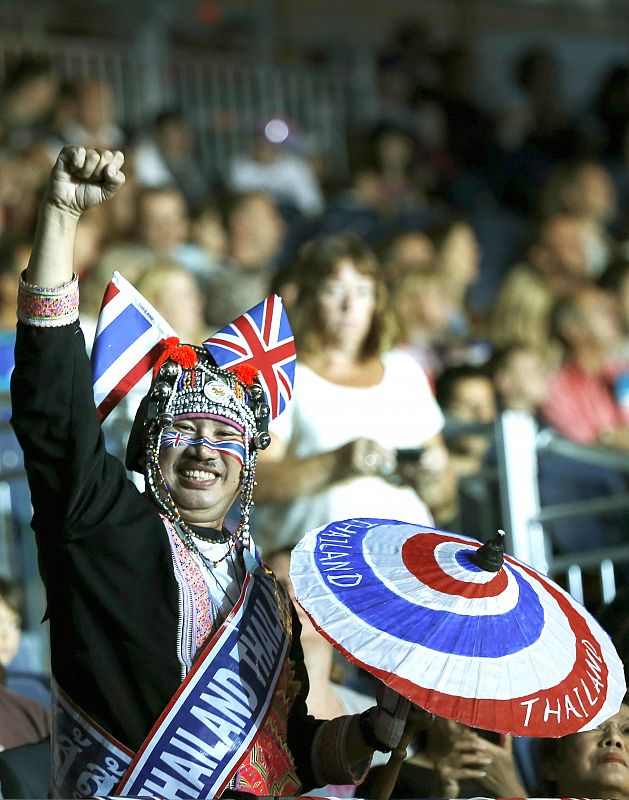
(44, 307)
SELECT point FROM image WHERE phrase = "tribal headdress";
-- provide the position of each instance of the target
(188, 383)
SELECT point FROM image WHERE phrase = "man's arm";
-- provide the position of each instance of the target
(72, 481)
(80, 179)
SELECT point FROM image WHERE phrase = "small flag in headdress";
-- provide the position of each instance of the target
(262, 338)
(129, 339)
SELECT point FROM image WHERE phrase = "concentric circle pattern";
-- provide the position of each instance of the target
(506, 651)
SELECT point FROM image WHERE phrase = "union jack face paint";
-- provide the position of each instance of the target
(232, 447)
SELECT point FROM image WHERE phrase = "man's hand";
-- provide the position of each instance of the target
(84, 177)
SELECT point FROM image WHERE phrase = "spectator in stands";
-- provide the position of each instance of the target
(592, 763)
(162, 220)
(162, 229)
(27, 101)
(521, 314)
(174, 293)
(22, 721)
(466, 395)
(255, 232)
(452, 760)
(406, 252)
(556, 263)
(207, 231)
(558, 252)
(18, 671)
(355, 403)
(521, 377)
(424, 310)
(167, 157)
(585, 190)
(457, 261)
(395, 158)
(581, 404)
(276, 168)
(356, 207)
(457, 256)
(93, 117)
(22, 176)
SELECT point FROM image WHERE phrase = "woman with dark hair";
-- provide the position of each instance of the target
(356, 405)
(592, 763)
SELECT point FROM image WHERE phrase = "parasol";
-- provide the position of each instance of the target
(446, 623)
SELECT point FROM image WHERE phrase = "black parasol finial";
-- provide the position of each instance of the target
(490, 556)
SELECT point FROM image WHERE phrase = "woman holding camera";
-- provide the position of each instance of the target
(362, 434)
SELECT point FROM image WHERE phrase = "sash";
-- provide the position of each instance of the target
(209, 726)
(86, 760)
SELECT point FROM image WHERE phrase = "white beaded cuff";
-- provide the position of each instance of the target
(48, 308)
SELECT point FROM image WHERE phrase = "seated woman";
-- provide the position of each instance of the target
(592, 763)
(356, 404)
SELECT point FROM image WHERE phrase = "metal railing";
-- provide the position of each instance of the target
(224, 100)
(518, 444)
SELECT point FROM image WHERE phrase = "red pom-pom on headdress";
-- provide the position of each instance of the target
(245, 373)
(180, 353)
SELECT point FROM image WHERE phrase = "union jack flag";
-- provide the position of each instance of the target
(262, 338)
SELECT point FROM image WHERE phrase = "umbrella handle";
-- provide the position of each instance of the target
(384, 783)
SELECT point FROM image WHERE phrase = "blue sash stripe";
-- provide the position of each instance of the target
(206, 731)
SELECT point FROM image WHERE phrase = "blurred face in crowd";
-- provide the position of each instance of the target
(523, 382)
(411, 251)
(162, 220)
(395, 150)
(459, 256)
(473, 400)
(561, 254)
(597, 195)
(174, 137)
(594, 763)
(208, 232)
(423, 305)
(9, 633)
(204, 482)
(33, 99)
(179, 301)
(95, 105)
(347, 301)
(257, 230)
(595, 322)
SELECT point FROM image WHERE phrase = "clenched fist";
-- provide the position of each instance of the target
(84, 177)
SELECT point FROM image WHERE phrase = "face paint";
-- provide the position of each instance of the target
(231, 447)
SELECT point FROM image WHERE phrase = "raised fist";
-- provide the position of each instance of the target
(84, 177)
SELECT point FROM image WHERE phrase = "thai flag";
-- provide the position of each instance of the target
(262, 338)
(128, 341)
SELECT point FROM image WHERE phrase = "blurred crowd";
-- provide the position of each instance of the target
(473, 260)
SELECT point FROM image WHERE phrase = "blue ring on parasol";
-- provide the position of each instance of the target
(436, 629)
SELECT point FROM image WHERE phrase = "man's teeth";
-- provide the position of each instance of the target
(198, 474)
